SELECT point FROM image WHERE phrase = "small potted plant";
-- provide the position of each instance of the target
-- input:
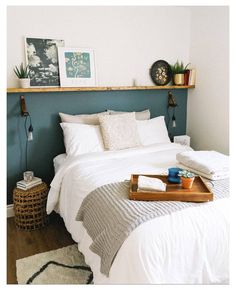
(178, 71)
(23, 75)
(187, 178)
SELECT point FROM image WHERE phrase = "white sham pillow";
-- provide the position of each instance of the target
(82, 138)
(119, 131)
(142, 115)
(153, 131)
(89, 119)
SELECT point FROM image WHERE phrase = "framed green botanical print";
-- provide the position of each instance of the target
(76, 66)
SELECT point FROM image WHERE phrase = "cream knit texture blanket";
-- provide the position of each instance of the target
(109, 216)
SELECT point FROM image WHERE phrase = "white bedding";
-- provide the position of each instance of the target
(58, 161)
(186, 247)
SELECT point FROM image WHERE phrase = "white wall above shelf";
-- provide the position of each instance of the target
(89, 89)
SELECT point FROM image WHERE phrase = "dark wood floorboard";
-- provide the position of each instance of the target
(22, 244)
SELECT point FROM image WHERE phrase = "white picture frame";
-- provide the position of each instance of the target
(76, 67)
(42, 58)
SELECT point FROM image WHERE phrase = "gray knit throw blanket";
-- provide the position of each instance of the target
(109, 216)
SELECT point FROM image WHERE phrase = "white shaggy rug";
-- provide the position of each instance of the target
(61, 266)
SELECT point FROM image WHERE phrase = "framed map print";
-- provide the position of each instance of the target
(76, 66)
(42, 59)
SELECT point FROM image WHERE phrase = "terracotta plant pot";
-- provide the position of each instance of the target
(187, 183)
(178, 79)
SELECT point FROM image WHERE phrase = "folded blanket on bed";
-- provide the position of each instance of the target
(146, 183)
(109, 216)
(206, 162)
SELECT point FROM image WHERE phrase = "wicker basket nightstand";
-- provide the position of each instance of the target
(30, 207)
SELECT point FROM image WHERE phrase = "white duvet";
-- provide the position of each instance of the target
(186, 247)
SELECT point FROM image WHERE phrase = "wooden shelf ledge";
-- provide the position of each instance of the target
(94, 89)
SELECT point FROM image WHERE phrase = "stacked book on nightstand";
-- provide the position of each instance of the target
(28, 184)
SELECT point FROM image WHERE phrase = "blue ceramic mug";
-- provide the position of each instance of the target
(173, 175)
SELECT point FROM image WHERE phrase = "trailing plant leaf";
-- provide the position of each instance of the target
(185, 68)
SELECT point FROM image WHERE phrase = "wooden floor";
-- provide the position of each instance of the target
(22, 244)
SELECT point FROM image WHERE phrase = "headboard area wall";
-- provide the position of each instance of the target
(48, 136)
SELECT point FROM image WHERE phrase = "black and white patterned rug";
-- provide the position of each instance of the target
(61, 266)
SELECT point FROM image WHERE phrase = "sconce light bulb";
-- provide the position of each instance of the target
(173, 121)
(30, 136)
(30, 133)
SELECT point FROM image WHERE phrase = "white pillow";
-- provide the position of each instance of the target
(119, 131)
(82, 138)
(143, 115)
(153, 131)
(89, 119)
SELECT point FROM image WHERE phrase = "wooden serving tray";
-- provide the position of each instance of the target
(198, 193)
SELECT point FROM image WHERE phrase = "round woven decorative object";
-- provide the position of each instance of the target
(161, 73)
(30, 207)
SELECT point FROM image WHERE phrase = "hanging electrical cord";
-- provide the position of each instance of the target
(28, 128)
(169, 118)
(173, 119)
(29, 137)
(171, 107)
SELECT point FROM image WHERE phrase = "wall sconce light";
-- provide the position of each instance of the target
(28, 127)
(171, 105)
(24, 112)
(171, 100)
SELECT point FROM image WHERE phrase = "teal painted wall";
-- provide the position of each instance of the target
(48, 137)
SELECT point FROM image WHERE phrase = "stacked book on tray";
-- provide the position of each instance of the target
(25, 185)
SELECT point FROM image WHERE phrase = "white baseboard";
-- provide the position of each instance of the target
(10, 210)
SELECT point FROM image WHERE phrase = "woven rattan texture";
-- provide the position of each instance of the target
(30, 207)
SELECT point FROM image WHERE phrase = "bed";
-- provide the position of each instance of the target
(188, 246)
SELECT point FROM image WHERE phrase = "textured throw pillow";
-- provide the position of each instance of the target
(119, 131)
(82, 138)
(143, 115)
(89, 119)
(153, 131)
